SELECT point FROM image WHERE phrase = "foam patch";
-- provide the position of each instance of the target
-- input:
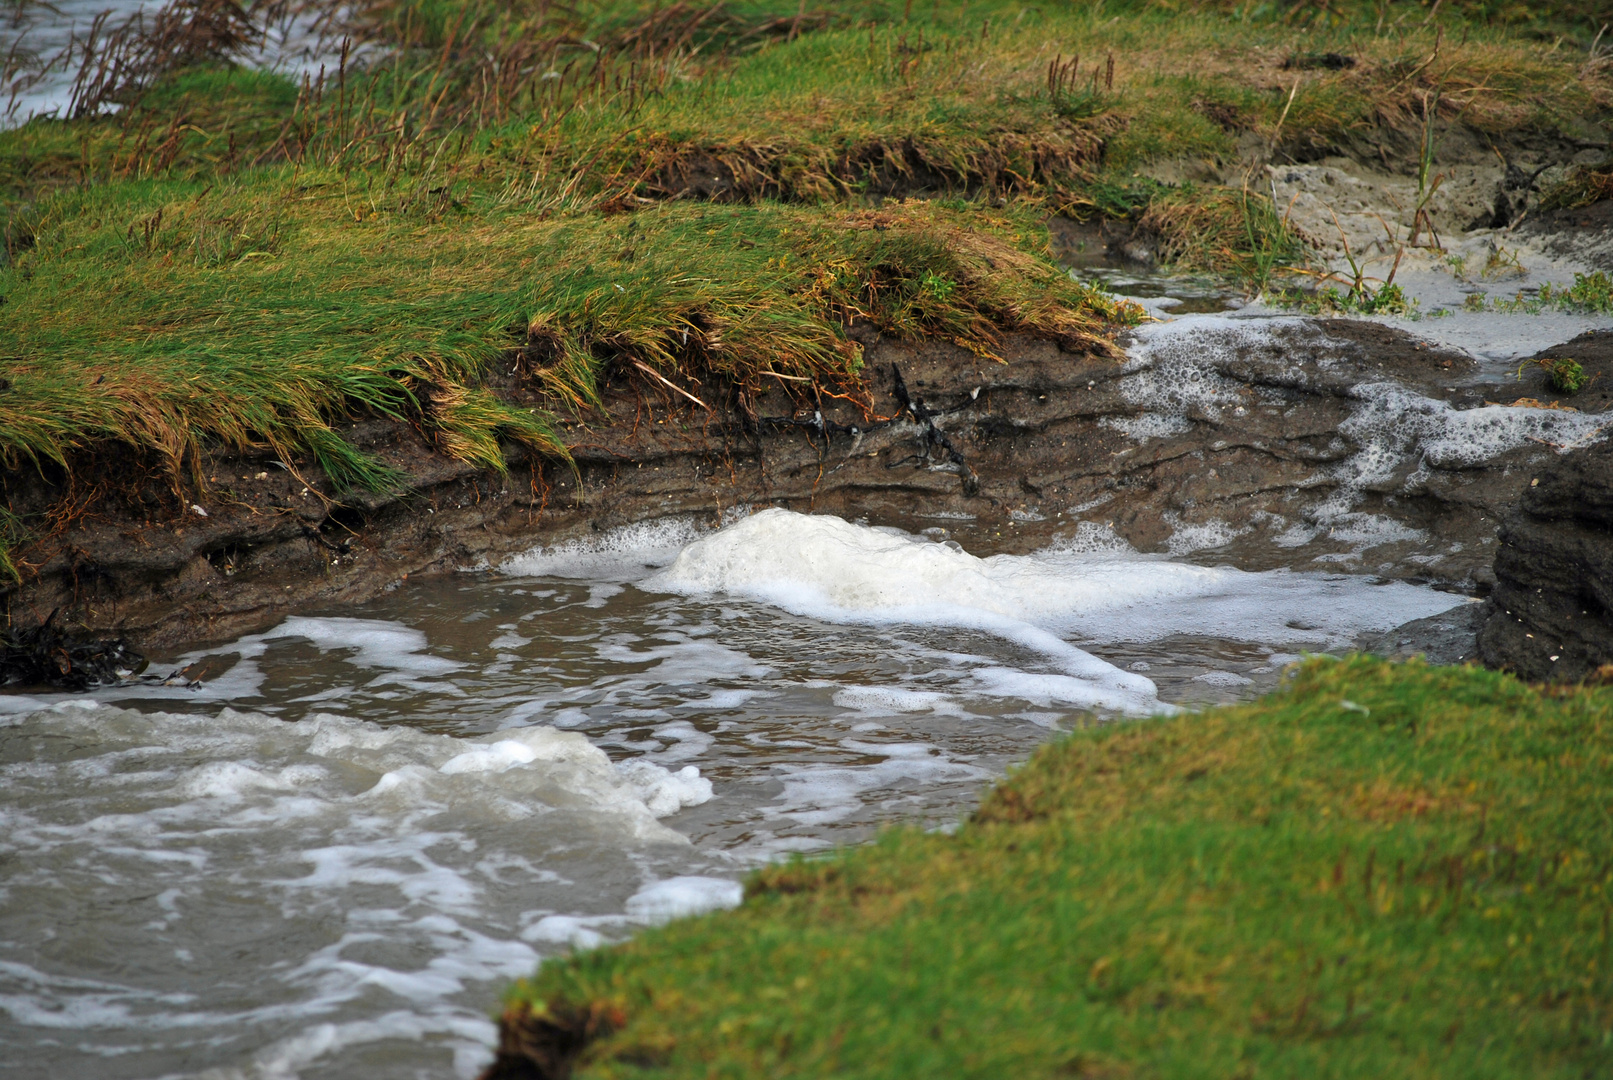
(828, 568)
(681, 897)
(620, 554)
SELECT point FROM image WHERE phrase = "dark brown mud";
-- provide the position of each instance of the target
(1003, 456)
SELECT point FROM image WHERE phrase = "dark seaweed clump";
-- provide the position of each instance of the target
(50, 655)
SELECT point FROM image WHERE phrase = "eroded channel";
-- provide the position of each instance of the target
(326, 858)
(323, 848)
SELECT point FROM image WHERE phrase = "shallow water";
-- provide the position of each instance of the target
(328, 858)
(36, 35)
(1495, 340)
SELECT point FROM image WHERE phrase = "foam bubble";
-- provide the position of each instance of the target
(1393, 422)
(1186, 539)
(1092, 538)
(685, 740)
(1148, 425)
(1176, 376)
(502, 755)
(623, 553)
(832, 569)
(823, 794)
(1172, 373)
(1228, 679)
(681, 897)
(665, 792)
(377, 643)
(576, 932)
(885, 700)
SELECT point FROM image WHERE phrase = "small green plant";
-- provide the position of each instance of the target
(1502, 263)
(1388, 300)
(1590, 293)
(1359, 299)
(937, 286)
(1565, 375)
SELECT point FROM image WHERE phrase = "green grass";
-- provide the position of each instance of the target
(171, 314)
(959, 92)
(1381, 870)
(1591, 294)
(235, 258)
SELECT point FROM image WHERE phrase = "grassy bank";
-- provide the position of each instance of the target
(238, 312)
(1383, 870)
(482, 210)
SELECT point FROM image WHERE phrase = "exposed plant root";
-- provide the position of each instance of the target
(543, 1042)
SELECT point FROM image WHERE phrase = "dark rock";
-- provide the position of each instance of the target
(1550, 618)
(1450, 637)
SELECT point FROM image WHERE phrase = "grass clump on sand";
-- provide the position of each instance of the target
(1582, 186)
(1590, 294)
(1380, 870)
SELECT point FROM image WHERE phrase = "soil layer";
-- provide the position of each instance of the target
(1003, 456)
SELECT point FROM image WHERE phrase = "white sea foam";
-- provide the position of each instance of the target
(573, 931)
(1398, 435)
(681, 897)
(1186, 539)
(1396, 422)
(1091, 538)
(1172, 374)
(1227, 679)
(376, 643)
(1175, 374)
(622, 554)
(824, 794)
(662, 791)
(886, 700)
(346, 865)
(832, 569)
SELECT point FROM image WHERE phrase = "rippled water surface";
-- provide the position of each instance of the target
(45, 39)
(327, 859)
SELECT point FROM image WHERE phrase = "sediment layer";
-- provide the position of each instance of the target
(1246, 447)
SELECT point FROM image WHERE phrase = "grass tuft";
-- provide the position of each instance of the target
(1584, 185)
(1236, 233)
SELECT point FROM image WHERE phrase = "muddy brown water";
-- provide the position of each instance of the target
(327, 858)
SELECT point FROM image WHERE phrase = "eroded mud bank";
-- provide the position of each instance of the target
(1263, 442)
